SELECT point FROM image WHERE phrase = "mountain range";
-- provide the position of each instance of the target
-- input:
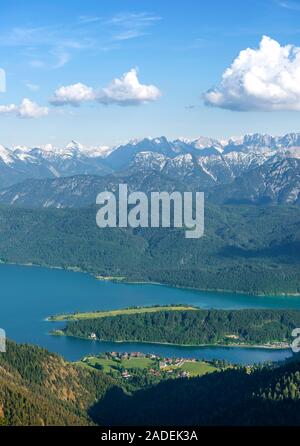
(256, 168)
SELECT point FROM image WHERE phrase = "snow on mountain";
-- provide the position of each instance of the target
(215, 160)
(276, 181)
(149, 161)
(6, 155)
(293, 152)
(47, 161)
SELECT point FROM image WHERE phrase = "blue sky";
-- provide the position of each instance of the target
(180, 50)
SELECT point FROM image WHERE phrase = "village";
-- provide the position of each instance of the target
(167, 365)
(130, 366)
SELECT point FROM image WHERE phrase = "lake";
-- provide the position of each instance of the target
(30, 294)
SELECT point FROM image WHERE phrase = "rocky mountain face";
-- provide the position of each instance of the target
(277, 181)
(20, 163)
(254, 169)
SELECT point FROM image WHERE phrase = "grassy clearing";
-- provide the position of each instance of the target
(145, 364)
(108, 365)
(193, 368)
(101, 314)
(198, 368)
(137, 363)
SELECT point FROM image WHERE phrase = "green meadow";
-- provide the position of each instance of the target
(101, 314)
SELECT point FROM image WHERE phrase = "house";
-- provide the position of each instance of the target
(162, 364)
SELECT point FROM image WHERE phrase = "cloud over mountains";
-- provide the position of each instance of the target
(27, 109)
(124, 91)
(263, 79)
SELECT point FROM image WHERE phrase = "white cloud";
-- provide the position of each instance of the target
(131, 25)
(124, 91)
(134, 19)
(27, 109)
(7, 109)
(266, 79)
(128, 91)
(74, 95)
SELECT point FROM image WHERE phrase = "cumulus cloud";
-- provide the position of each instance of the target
(124, 91)
(74, 95)
(7, 109)
(27, 109)
(128, 91)
(266, 79)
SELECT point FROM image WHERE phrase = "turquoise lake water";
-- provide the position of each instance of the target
(29, 294)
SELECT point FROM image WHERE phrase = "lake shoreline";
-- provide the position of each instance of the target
(279, 346)
(114, 279)
(35, 293)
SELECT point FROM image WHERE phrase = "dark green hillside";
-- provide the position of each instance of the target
(257, 396)
(194, 327)
(66, 238)
(39, 388)
(244, 249)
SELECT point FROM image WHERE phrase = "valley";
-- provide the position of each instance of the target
(217, 330)
(38, 388)
(136, 370)
(40, 292)
(149, 219)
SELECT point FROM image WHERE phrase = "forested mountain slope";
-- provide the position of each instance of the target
(244, 396)
(40, 388)
(245, 249)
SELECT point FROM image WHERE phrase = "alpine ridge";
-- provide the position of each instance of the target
(256, 168)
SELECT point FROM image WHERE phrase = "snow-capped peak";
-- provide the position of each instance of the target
(48, 148)
(6, 155)
(97, 151)
(74, 145)
(21, 149)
